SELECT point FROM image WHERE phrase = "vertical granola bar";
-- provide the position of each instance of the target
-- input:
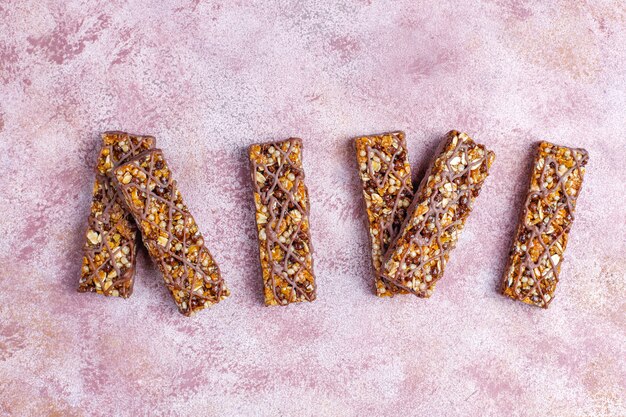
(170, 232)
(417, 258)
(543, 230)
(108, 265)
(387, 188)
(282, 218)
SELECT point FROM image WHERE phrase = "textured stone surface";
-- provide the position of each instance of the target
(208, 79)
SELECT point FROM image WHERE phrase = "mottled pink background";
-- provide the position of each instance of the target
(209, 78)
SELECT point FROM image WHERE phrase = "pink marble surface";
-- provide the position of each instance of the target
(207, 79)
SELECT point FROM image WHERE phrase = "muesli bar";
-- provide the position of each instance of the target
(170, 232)
(108, 265)
(417, 258)
(543, 230)
(385, 175)
(282, 218)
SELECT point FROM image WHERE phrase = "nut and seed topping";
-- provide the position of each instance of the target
(282, 218)
(417, 258)
(385, 175)
(543, 231)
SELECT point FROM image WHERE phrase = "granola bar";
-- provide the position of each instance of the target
(387, 188)
(170, 232)
(417, 258)
(543, 230)
(282, 218)
(108, 265)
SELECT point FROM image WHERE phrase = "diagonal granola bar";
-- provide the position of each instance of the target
(417, 258)
(170, 232)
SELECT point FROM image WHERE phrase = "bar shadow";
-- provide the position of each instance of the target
(254, 280)
(520, 191)
(88, 158)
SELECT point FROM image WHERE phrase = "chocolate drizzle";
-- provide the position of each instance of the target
(170, 232)
(417, 258)
(110, 246)
(282, 204)
(547, 216)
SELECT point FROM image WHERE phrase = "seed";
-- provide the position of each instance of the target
(377, 198)
(127, 178)
(297, 216)
(94, 237)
